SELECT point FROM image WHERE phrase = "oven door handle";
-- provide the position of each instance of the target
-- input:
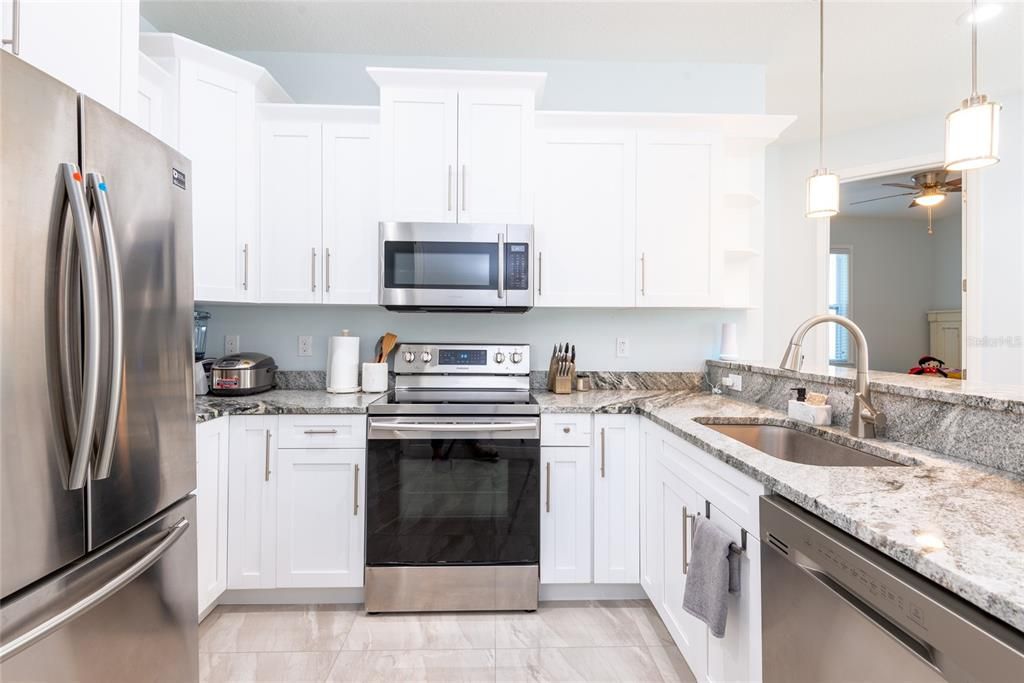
(464, 427)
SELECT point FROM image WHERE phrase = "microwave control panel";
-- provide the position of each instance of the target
(517, 266)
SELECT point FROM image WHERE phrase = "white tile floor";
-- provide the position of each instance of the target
(621, 640)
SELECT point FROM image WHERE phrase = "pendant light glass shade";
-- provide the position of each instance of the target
(972, 135)
(822, 194)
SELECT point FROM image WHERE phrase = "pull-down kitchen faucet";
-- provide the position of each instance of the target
(866, 422)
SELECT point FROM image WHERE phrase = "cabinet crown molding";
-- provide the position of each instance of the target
(388, 77)
(764, 127)
(172, 45)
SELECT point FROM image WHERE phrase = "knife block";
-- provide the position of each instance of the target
(563, 385)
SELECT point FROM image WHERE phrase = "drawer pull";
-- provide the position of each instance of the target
(321, 431)
(355, 492)
(266, 461)
(566, 429)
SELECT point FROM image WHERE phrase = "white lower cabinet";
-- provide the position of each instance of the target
(616, 499)
(251, 502)
(320, 517)
(565, 549)
(211, 509)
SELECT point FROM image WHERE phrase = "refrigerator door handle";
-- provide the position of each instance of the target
(98, 193)
(86, 417)
(58, 621)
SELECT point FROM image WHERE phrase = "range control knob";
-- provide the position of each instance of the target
(425, 356)
(499, 357)
(517, 357)
(409, 356)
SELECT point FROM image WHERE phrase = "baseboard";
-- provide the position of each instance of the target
(591, 591)
(354, 596)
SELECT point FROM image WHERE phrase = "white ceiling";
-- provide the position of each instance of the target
(884, 60)
(895, 207)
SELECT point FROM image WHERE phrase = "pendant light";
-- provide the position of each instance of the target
(972, 131)
(822, 186)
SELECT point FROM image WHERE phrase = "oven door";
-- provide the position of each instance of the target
(452, 491)
(449, 266)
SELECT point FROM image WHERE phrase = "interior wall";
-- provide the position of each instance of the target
(898, 273)
(659, 339)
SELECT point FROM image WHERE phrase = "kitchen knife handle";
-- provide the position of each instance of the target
(602, 452)
(266, 459)
(245, 266)
(15, 40)
(547, 499)
(355, 491)
(98, 190)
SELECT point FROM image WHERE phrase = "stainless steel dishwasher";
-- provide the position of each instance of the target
(835, 609)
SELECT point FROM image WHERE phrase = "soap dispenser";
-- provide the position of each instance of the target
(800, 409)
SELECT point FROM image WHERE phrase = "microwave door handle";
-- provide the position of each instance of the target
(85, 420)
(501, 266)
(98, 191)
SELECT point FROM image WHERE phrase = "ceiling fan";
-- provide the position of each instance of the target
(929, 189)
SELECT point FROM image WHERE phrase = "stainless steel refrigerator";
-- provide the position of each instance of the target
(97, 523)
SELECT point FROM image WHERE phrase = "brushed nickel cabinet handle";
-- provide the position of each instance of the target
(686, 550)
(266, 459)
(602, 452)
(355, 491)
(312, 271)
(540, 273)
(449, 187)
(643, 275)
(547, 499)
(463, 187)
(566, 429)
(320, 431)
(327, 270)
(15, 40)
(245, 266)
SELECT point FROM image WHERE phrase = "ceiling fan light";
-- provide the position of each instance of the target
(930, 198)
(972, 135)
(822, 194)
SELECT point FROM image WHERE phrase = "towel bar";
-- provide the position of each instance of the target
(743, 532)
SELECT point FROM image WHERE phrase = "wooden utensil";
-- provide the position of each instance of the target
(387, 346)
(376, 349)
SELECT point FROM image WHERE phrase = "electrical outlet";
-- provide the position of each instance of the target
(305, 346)
(735, 382)
(231, 344)
(622, 347)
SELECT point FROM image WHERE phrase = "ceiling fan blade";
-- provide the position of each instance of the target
(955, 188)
(912, 204)
(903, 185)
(954, 181)
(876, 199)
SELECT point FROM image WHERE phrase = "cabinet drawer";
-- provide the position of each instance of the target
(570, 429)
(322, 431)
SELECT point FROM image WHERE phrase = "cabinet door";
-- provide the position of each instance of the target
(92, 45)
(212, 509)
(495, 131)
(616, 499)
(651, 566)
(586, 219)
(290, 212)
(217, 131)
(565, 515)
(156, 109)
(252, 479)
(351, 156)
(320, 517)
(419, 146)
(737, 656)
(679, 255)
(679, 504)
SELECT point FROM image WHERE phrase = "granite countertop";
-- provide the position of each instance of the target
(954, 522)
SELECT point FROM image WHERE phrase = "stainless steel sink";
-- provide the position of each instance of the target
(786, 443)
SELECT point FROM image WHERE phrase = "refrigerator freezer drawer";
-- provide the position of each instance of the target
(145, 628)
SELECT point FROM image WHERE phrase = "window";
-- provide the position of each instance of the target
(839, 304)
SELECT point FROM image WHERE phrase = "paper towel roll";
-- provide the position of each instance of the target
(343, 364)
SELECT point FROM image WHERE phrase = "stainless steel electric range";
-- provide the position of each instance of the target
(453, 482)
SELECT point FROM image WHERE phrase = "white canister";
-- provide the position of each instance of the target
(375, 378)
(343, 364)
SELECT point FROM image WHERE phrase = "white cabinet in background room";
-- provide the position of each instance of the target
(456, 145)
(586, 218)
(679, 254)
(212, 510)
(320, 517)
(216, 120)
(318, 204)
(616, 499)
(565, 547)
(252, 484)
(92, 45)
(157, 108)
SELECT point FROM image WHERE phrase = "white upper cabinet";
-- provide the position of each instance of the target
(92, 45)
(351, 155)
(290, 212)
(455, 145)
(679, 252)
(495, 142)
(216, 118)
(318, 204)
(586, 218)
(156, 110)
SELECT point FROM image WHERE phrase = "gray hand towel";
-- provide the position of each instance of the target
(714, 573)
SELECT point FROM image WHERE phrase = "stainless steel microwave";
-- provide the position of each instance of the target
(461, 267)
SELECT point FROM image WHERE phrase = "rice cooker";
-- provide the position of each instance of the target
(242, 374)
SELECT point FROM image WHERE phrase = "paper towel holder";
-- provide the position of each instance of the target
(343, 364)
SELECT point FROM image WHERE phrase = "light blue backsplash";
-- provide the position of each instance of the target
(660, 339)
